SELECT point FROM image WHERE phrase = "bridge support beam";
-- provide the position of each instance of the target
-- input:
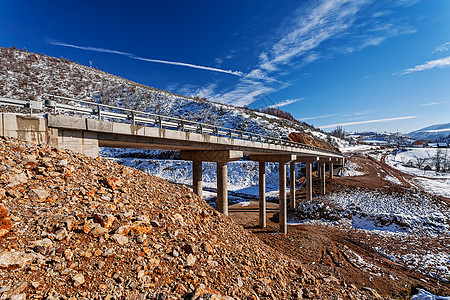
(197, 178)
(292, 185)
(262, 194)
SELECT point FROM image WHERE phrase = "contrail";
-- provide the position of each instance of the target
(368, 121)
(133, 56)
(285, 102)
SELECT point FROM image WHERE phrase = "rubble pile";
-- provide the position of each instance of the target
(302, 138)
(89, 228)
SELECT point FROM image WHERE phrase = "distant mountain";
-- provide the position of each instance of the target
(434, 132)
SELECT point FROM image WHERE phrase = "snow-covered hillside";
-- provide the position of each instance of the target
(432, 132)
(27, 75)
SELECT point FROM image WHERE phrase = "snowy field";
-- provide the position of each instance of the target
(433, 182)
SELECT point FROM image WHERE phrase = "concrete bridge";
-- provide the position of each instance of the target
(107, 126)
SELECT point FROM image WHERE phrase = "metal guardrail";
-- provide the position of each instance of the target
(108, 112)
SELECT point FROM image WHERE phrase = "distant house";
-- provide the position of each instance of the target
(432, 145)
(427, 168)
(442, 145)
(418, 144)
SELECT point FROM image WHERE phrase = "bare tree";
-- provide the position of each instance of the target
(438, 159)
(420, 162)
(338, 132)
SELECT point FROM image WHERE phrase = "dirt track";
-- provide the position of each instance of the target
(334, 252)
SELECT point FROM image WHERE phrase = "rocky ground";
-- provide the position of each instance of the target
(74, 227)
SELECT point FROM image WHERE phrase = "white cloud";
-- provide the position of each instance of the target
(319, 32)
(133, 56)
(285, 102)
(319, 117)
(442, 48)
(437, 63)
(433, 103)
(367, 122)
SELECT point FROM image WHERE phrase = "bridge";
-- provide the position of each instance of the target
(84, 126)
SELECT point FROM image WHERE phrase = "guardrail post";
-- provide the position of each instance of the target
(99, 112)
(181, 125)
(159, 122)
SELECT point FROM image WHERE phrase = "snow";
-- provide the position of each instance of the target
(431, 181)
(357, 148)
(393, 214)
(393, 179)
(425, 295)
(352, 169)
(435, 186)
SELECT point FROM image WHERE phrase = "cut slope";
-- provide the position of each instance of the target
(89, 228)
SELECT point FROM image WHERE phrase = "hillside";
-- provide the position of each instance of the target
(88, 228)
(433, 132)
(29, 75)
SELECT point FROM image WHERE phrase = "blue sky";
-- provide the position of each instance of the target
(366, 64)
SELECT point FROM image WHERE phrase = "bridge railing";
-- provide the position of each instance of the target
(113, 113)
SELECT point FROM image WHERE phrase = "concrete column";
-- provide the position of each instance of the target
(292, 179)
(331, 170)
(282, 197)
(222, 187)
(308, 183)
(322, 178)
(262, 194)
(197, 177)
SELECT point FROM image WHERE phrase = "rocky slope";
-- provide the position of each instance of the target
(89, 228)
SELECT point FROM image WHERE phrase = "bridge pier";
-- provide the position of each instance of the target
(222, 187)
(282, 197)
(197, 178)
(322, 165)
(221, 157)
(262, 194)
(292, 185)
(331, 167)
(322, 177)
(282, 160)
(308, 160)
